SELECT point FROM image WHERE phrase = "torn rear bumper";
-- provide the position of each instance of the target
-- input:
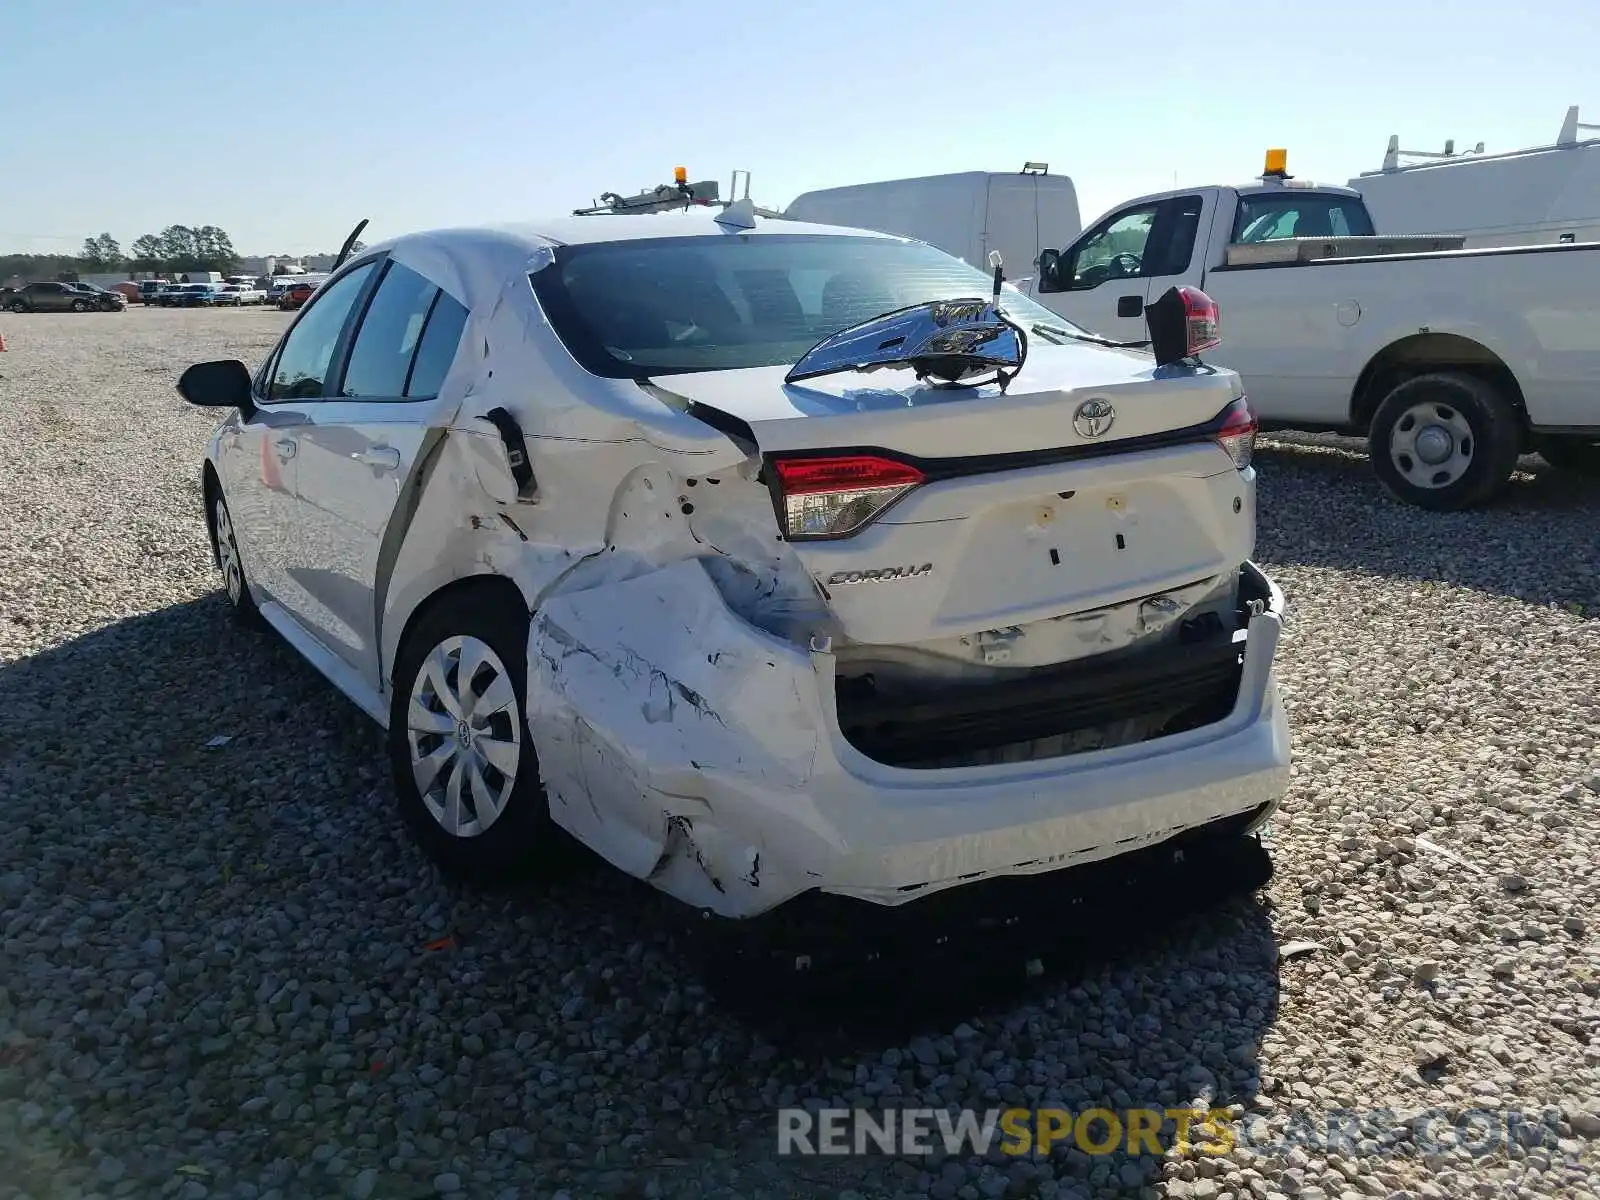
(697, 752)
(1011, 923)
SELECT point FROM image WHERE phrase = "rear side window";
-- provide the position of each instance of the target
(386, 343)
(437, 348)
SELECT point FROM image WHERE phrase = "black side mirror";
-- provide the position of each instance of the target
(1049, 265)
(224, 383)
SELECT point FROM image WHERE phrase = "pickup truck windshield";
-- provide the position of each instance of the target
(1310, 214)
(665, 306)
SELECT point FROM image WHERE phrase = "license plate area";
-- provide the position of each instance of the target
(1079, 549)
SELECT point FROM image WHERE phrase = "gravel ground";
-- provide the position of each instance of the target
(224, 972)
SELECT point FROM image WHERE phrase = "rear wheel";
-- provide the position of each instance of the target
(1580, 455)
(18, 306)
(80, 306)
(464, 767)
(1444, 441)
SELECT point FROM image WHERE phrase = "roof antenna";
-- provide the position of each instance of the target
(738, 214)
(349, 242)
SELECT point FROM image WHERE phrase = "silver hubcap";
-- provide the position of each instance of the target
(1431, 445)
(465, 734)
(228, 554)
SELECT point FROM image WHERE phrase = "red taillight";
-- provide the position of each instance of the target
(1238, 433)
(1202, 319)
(832, 497)
(1183, 322)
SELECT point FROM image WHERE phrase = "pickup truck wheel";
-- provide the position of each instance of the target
(1444, 441)
(1579, 455)
(464, 766)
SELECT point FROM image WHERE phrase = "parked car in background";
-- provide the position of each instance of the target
(128, 289)
(167, 295)
(104, 298)
(149, 289)
(277, 286)
(196, 295)
(295, 295)
(987, 614)
(238, 294)
(52, 297)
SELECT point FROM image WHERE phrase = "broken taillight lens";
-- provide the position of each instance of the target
(834, 497)
(1202, 320)
(1238, 433)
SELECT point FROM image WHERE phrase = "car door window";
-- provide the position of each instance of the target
(1172, 238)
(307, 352)
(436, 349)
(390, 331)
(1114, 251)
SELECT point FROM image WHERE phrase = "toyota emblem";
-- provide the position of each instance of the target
(1093, 418)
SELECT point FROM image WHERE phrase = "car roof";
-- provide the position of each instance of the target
(573, 231)
(472, 262)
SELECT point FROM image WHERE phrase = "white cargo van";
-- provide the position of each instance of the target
(967, 214)
(1523, 197)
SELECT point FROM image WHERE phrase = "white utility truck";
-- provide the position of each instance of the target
(1451, 361)
(1523, 197)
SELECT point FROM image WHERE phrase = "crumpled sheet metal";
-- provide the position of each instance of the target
(656, 670)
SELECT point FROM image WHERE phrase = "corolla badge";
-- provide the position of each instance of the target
(1093, 418)
(881, 575)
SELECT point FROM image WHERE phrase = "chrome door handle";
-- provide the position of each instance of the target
(384, 458)
(286, 448)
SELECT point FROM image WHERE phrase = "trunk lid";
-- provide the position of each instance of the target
(1025, 515)
(888, 409)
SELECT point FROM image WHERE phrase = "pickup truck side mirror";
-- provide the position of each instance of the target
(1049, 271)
(224, 383)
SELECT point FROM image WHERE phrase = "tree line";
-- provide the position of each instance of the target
(175, 248)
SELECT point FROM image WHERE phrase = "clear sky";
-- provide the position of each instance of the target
(286, 121)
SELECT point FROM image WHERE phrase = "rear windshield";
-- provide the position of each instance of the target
(665, 306)
(1277, 217)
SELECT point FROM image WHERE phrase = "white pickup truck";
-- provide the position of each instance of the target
(1451, 362)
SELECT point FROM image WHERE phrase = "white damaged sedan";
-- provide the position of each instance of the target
(764, 558)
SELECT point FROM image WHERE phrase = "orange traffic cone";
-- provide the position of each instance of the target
(2, 342)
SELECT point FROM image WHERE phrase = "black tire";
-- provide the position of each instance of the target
(522, 834)
(1492, 443)
(1574, 453)
(235, 583)
(80, 306)
(18, 306)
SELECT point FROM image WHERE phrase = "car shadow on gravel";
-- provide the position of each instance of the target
(1319, 505)
(263, 879)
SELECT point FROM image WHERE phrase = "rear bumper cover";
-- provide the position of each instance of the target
(705, 756)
